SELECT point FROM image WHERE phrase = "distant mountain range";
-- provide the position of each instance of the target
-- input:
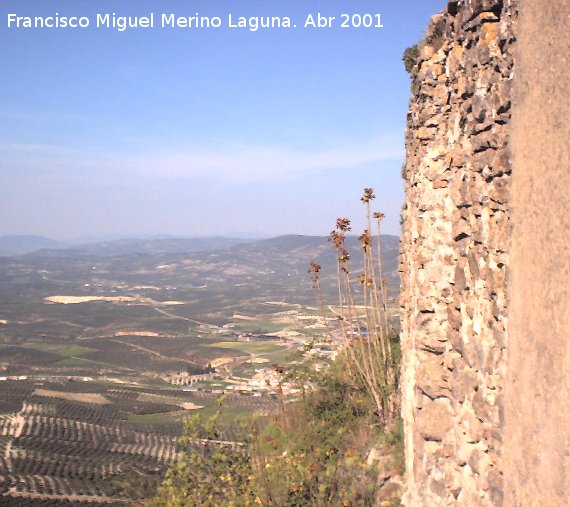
(293, 245)
(22, 245)
(206, 273)
(276, 262)
(157, 246)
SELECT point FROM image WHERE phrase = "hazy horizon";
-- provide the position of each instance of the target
(77, 240)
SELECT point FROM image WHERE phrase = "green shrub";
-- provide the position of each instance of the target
(410, 59)
(208, 473)
(312, 453)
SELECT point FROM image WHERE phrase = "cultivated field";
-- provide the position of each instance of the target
(65, 442)
(103, 354)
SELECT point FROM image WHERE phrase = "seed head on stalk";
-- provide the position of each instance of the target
(337, 239)
(315, 270)
(365, 280)
(343, 256)
(365, 240)
(368, 195)
(343, 224)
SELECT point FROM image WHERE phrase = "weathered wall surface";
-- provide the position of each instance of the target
(537, 390)
(454, 255)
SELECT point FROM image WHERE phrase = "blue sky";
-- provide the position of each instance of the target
(202, 131)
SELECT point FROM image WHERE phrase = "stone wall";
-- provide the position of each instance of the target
(537, 387)
(454, 256)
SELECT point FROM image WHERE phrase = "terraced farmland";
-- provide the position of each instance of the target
(59, 443)
(54, 448)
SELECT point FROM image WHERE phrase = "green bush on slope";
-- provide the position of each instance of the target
(313, 453)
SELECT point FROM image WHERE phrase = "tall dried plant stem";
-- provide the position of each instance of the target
(381, 319)
(370, 356)
(371, 346)
(383, 288)
(365, 369)
(382, 285)
(349, 308)
(375, 331)
(392, 367)
(317, 285)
